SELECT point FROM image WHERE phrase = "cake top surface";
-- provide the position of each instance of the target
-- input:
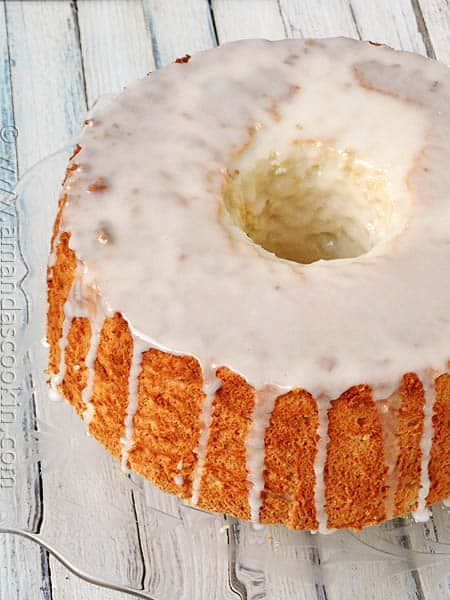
(281, 208)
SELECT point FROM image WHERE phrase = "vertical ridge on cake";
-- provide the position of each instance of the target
(408, 433)
(290, 451)
(167, 420)
(355, 472)
(224, 486)
(90, 360)
(106, 393)
(439, 464)
(77, 372)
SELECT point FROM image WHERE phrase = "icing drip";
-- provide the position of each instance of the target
(179, 479)
(86, 394)
(71, 309)
(127, 442)
(319, 467)
(388, 410)
(422, 514)
(255, 445)
(211, 384)
(52, 256)
(57, 379)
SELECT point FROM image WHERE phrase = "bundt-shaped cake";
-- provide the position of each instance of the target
(249, 284)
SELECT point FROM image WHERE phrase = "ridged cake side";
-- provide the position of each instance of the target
(368, 475)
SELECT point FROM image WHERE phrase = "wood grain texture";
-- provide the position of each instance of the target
(178, 28)
(392, 23)
(48, 94)
(246, 20)
(318, 18)
(115, 45)
(436, 17)
(66, 586)
(23, 566)
(23, 570)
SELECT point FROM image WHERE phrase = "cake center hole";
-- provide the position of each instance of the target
(316, 203)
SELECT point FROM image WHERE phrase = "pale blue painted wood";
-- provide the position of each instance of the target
(23, 566)
(8, 166)
(318, 18)
(178, 28)
(47, 76)
(246, 20)
(49, 91)
(116, 46)
(391, 23)
(436, 21)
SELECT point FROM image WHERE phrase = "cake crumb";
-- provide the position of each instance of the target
(98, 186)
(75, 151)
(183, 59)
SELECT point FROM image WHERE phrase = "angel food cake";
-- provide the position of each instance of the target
(249, 281)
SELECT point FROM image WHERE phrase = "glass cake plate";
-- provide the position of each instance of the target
(60, 488)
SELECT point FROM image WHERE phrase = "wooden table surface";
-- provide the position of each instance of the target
(57, 57)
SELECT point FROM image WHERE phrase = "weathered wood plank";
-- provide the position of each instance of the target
(48, 93)
(115, 45)
(23, 566)
(178, 28)
(436, 23)
(246, 20)
(392, 23)
(49, 101)
(171, 531)
(20, 570)
(318, 18)
(67, 586)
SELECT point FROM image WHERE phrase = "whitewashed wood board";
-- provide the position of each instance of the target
(61, 56)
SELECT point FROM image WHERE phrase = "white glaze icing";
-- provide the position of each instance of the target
(86, 394)
(127, 441)
(162, 251)
(57, 379)
(53, 394)
(388, 410)
(422, 514)
(179, 479)
(72, 308)
(192, 278)
(319, 468)
(255, 446)
(211, 384)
